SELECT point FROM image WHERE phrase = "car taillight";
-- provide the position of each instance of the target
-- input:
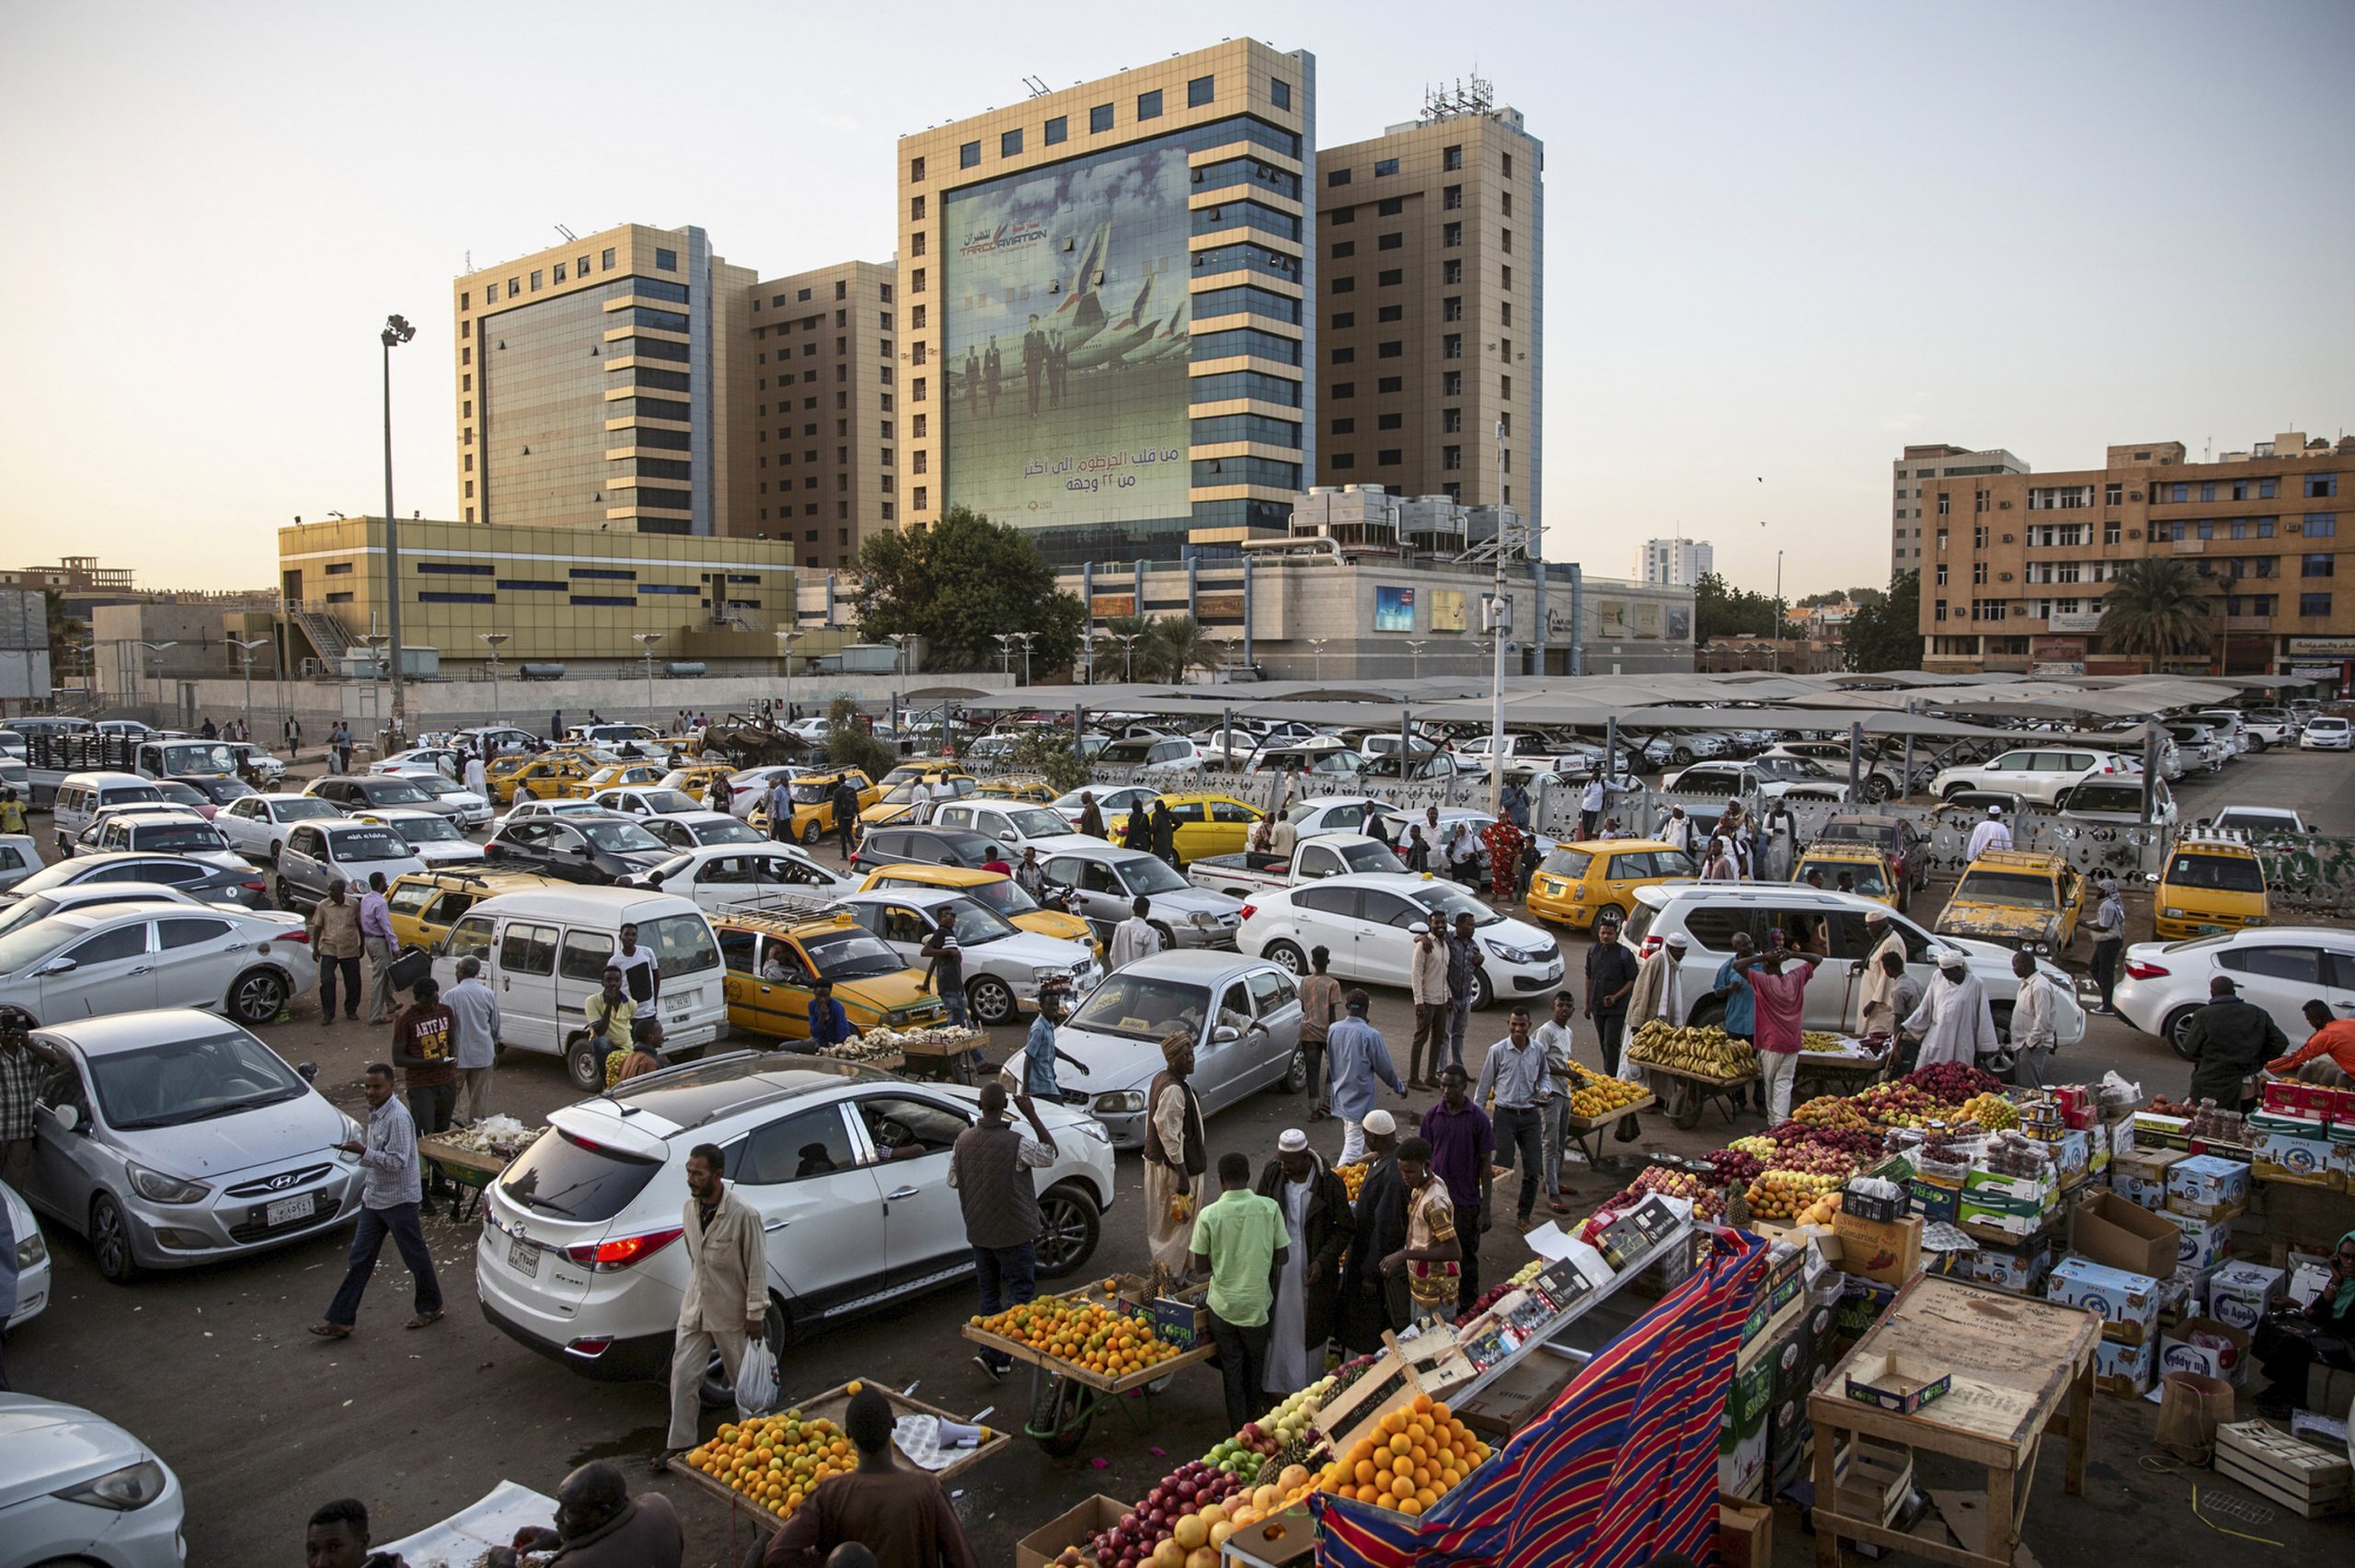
(622, 1252)
(300, 934)
(1650, 945)
(1249, 910)
(2144, 969)
(252, 886)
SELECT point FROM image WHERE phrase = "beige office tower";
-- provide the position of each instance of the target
(1431, 246)
(1106, 340)
(816, 409)
(593, 382)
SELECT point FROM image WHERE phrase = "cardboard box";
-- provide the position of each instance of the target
(1861, 1306)
(1888, 1252)
(1745, 1533)
(2037, 1189)
(1043, 1545)
(2141, 1178)
(2120, 1235)
(2288, 1150)
(2342, 1153)
(2206, 1347)
(2072, 1154)
(2014, 1217)
(2207, 1187)
(2288, 1097)
(1792, 1355)
(2194, 1282)
(1286, 1536)
(1787, 1432)
(2020, 1269)
(1897, 1385)
(2307, 1280)
(2121, 1136)
(1934, 1200)
(2204, 1244)
(2124, 1370)
(2129, 1303)
(1523, 1391)
(2240, 1293)
(1741, 1457)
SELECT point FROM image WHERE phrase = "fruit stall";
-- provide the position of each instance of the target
(1111, 1344)
(941, 1054)
(474, 1156)
(1597, 1103)
(1839, 1064)
(1690, 1067)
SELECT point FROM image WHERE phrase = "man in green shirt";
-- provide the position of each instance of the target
(1239, 1241)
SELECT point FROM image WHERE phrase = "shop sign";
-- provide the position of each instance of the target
(2322, 647)
(2075, 620)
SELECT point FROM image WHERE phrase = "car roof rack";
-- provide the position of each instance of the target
(795, 909)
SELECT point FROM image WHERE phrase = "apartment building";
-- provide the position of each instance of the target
(1107, 339)
(815, 406)
(590, 385)
(1675, 563)
(2018, 565)
(1920, 469)
(1431, 238)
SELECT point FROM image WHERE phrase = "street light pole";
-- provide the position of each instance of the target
(1415, 647)
(498, 708)
(1005, 653)
(1127, 641)
(646, 640)
(785, 648)
(1778, 611)
(1026, 639)
(246, 652)
(158, 650)
(1317, 646)
(396, 332)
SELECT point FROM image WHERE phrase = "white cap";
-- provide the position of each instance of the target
(1293, 1141)
(1995, 811)
(1380, 1122)
(1677, 940)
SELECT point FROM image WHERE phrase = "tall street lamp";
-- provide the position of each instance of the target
(1415, 647)
(899, 641)
(396, 332)
(1026, 639)
(1127, 641)
(646, 641)
(157, 649)
(495, 640)
(1318, 645)
(1005, 641)
(785, 641)
(246, 654)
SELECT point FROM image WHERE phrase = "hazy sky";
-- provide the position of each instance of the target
(1785, 239)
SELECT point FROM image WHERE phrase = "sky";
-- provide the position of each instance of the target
(1784, 239)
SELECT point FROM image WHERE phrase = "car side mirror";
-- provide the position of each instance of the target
(583, 851)
(69, 1117)
(67, 966)
(1225, 1034)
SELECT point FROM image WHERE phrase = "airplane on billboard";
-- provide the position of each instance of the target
(1116, 337)
(1168, 340)
(1080, 317)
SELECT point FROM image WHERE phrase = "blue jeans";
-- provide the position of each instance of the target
(1009, 1276)
(400, 1223)
(1459, 1018)
(952, 999)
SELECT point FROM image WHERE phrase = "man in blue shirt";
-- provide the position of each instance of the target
(1355, 1059)
(829, 1024)
(1039, 1052)
(1741, 1008)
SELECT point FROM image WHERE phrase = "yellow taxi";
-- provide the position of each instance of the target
(1207, 824)
(2212, 882)
(812, 797)
(1864, 868)
(425, 905)
(994, 889)
(915, 768)
(773, 960)
(897, 800)
(1580, 880)
(615, 775)
(548, 777)
(2021, 899)
(695, 779)
(1034, 790)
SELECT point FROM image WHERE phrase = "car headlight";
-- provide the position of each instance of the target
(2174, 914)
(1515, 955)
(156, 1188)
(1095, 1129)
(30, 1252)
(1578, 893)
(132, 1486)
(1124, 1103)
(2257, 920)
(1041, 973)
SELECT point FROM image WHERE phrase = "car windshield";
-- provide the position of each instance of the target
(1142, 1007)
(2107, 797)
(2019, 889)
(900, 793)
(1144, 873)
(1446, 904)
(812, 793)
(302, 808)
(1036, 822)
(199, 757)
(2248, 821)
(682, 944)
(975, 924)
(221, 792)
(1000, 894)
(427, 831)
(31, 941)
(1126, 754)
(665, 801)
(177, 838)
(620, 838)
(1567, 861)
(1859, 833)
(396, 791)
(1370, 857)
(1864, 876)
(180, 794)
(435, 785)
(190, 1081)
(2211, 872)
(851, 954)
(368, 844)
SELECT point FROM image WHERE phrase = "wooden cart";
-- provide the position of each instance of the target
(1066, 1399)
(470, 1169)
(1585, 1134)
(1818, 1074)
(1682, 1092)
(831, 1406)
(939, 1062)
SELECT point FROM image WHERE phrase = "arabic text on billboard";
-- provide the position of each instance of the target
(1066, 344)
(1393, 609)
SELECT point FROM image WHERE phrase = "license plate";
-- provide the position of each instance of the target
(286, 1210)
(701, 1035)
(523, 1257)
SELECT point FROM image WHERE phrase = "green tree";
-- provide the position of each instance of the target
(1720, 609)
(1118, 661)
(2156, 608)
(1047, 751)
(848, 745)
(960, 582)
(1178, 645)
(1887, 634)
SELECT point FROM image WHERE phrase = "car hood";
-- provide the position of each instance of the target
(1027, 948)
(1995, 921)
(1057, 925)
(1520, 934)
(443, 850)
(882, 994)
(220, 1149)
(46, 1447)
(1196, 900)
(1114, 1061)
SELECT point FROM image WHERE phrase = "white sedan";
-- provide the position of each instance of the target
(33, 1260)
(1115, 801)
(524, 810)
(642, 801)
(725, 876)
(433, 837)
(2327, 733)
(472, 810)
(2279, 967)
(1366, 921)
(1003, 964)
(701, 829)
(83, 1489)
(107, 958)
(256, 826)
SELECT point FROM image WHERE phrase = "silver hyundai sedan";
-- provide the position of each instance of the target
(173, 1137)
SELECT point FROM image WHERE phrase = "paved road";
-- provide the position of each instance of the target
(213, 1366)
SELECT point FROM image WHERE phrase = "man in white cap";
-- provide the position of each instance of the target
(1368, 1304)
(1992, 835)
(1317, 1223)
(1355, 1059)
(1954, 1021)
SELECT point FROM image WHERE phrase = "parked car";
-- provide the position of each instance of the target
(171, 1137)
(318, 854)
(186, 796)
(749, 787)
(258, 763)
(2036, 773)
(700, 830)
(256, 826)
(1881, 780)
(548, 776)
(1004, 966)
(32, 1277)
(442, 762)
(212, 792)
(19, 858)
(2117, 802)
(2326, 732)
(934, 846)
(731, 874)
(1010, 825)
(995, 889)
(1113, 801)
(180, 834)
(1328, 854)
(2229, 728)
(83, 1489)
(526, 810)
(2203, 749)
(464, 806)
(1206, 824)
(2026, 900)
(1105, 882)
(2210, 883)
(1852, 868)
(1576, 883)
(98, 958)
(2269, 727)
(584, 848)
(434, 838)
(644, 801)
(775, 956)
(847, 1167)
(2259, 821)
(618, 775)
(1146, 756)
(1901, 844)
(374, 791)
(426, 904)
(1367, 920)
(2281, 968)
(79, 795)
(897, 803)
(1338, 814)
(212, 884)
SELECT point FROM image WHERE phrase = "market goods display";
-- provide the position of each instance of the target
(1707, 1201)
(1830, 1110)
(2225, 1126)
(2161, 1105)
(1080, 1333)
(1905, 1102)
(1415, 1456)
(1992, 1111)
(2009, 1155)
(501, 1136)
(1952, 1083)
(1756, 1145)
(1865, 1143)
(1734, 1165)
(1821, 1040)
(1596, 1096)
(1835, 1165)
(1709, 1051)
(1823, 1211)
(942, 1040)
(1281, 1438)
(1352, 1177)
(775, 1460)
(875, 1045)
(1782, 1195)
(1171, 1526)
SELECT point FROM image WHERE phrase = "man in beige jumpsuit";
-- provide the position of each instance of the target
(726, 1298)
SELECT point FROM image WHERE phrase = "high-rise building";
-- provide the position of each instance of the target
(1932, 461)
(1107, 338)
(1676, 563)
(1430, 239)
(2019, 565)
(592, 380)
(815, 406)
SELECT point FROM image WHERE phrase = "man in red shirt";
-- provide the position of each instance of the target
(1777, 980)
(2333, 1038)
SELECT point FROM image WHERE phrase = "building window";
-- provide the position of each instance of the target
(1451, 384)
(1009, 144)
(1149, 105)
(917, 242)
(1977, 572)
(1099, 118)
(916, 174)
(1341, 389)
(1942, 574)
(1452, 198)
(1342, 460)
(1388, 350)
(1942, 503)
(2313, 604)
(1345, 285)
(917, 206)
(1389, 207)
(1451, 157)
(2208, 490)
(536, 280)
(1336, 177)
(1390, 384)
(968, 156)
(605, 260)
(2175, 493)
(1939, 612)
(1344, 249)
(1058, 131)
(1451, 457)
(1451, 273)
(1451, 236)
(559, 272)
(1508, 158)
(2308, 566)
(1200, 90)
(1345, 356)
(923, 497)
(1391, 422)
(2320, 525)
(2321, 485)
(1279, 92)
(1451, 419)
(1344, 319)
(1389, 277)
(1390, 242)
(2109, 533)
(1343, 215)
(917, 282)
(1452, 345)
(1385, 165)
(424, 598)
(2265, 489)
(666, 261)
(1391, 312)
(1389, 457)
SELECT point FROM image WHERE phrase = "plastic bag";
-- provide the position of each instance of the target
(2191, 1406)
(756, 1389)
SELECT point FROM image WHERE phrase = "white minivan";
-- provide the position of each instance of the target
(544, 951)
(79, 795)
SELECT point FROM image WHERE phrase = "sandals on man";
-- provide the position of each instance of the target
(423, 1320)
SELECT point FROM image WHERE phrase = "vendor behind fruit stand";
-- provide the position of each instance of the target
(2328, 1055)
(901, 1515)
(1371, 1301)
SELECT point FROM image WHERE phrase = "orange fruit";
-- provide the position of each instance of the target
(1364, 1472)
(1402, 1486)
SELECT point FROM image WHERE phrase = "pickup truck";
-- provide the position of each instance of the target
(1311, 860)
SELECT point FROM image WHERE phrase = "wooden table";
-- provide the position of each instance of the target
(470, 1170)
(1682, 1092)
(1585, 1133)
(2014, 1361)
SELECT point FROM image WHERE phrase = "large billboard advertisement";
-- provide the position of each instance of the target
(1393, 609)
(1066, 342)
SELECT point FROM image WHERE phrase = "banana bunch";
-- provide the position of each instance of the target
(1820, 1041)
(1708, 1050)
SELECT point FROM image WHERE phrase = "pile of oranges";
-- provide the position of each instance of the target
(1352, 1177)
(775, 1460)
(1082, 1333)
(1411, 1459)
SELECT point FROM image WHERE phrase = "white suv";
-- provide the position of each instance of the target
(847, 1167)
(2035, 774)
(1827, 922)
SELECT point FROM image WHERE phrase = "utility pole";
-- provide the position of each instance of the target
(498, 708)
(396, 332)
(646, 641)
(246, 652)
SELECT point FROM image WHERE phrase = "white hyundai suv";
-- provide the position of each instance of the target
(1831, 925)
(2035, 774)
(847, 1167)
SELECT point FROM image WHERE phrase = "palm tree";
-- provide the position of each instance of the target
(1179, 644)
(2156, 608)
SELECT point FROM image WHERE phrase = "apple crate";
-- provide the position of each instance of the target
(2309, 1480)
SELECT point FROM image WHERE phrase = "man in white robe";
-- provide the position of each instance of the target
(1954, 1021)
